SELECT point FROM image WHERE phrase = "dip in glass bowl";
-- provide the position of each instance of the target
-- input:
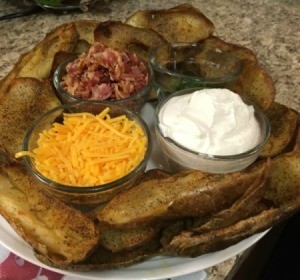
(211, 130)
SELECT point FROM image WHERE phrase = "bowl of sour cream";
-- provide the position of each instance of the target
(213, 130)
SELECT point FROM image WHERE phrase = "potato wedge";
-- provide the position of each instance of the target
(247, 205)
(219, 191)
(37, 62)
(26, 100)
(284, 180)
(172, 230)
(255, 84)
(102, 259)
(295, 143)
(86, 28)
(282, 196)
(124, 37)
(118, 240)
(150, 174)
(187, 243)
(182, 23)
(146, 202)
(189, 193)
(54, 230)
(59, 57)
(81, 46)
(155, 173)
(241, 52)
(283, 121)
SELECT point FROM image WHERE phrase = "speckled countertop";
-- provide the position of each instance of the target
(269, 27)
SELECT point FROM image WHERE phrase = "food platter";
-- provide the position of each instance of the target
(155, 268)
(208, 250)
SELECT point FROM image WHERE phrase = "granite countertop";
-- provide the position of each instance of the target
(269, 27)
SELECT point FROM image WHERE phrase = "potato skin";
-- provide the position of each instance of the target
(54, 230)
(24, 102)
(182, 23)
(37, 62)
(124, 37)
(281, 200)
(284, 123)
(185, 194)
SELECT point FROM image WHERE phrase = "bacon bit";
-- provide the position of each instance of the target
(105, 74)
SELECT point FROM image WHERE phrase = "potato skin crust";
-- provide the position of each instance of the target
(54, 230)
(185, 194)
(182, 23)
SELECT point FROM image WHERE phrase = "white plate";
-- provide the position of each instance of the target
(155, 268)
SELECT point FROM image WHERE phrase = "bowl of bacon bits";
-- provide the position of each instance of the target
(104, 74)
(86, 152)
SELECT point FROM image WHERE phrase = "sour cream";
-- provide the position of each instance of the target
(210, 121)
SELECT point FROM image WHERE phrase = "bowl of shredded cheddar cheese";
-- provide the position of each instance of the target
(86, 152)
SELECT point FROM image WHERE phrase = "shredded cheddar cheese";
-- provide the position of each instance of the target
(89, 150)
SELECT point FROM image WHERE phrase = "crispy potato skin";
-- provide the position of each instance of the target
(26, 100)
(149, 201)
(284, 122)
(37, 62)
(182, 23)
(241, 52)
(187, 243)
(219, 191)
(85, 29)
(282, 196)
(124, 37)
(119, 240)
(103, 259)
(242, 208)
(284, 181)
(54, 230)
(186, 194)
(255, 84)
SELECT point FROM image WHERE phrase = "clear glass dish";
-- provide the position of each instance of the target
(180, 158)
(84, 198)
(135, 102)
(59, 5)
(178, 66)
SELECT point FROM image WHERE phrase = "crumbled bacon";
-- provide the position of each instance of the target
(103, 73)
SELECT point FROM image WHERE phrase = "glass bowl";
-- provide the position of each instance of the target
(87, 197)
(135, 102)
(53, 6)
(180, 158)
(178, 66)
